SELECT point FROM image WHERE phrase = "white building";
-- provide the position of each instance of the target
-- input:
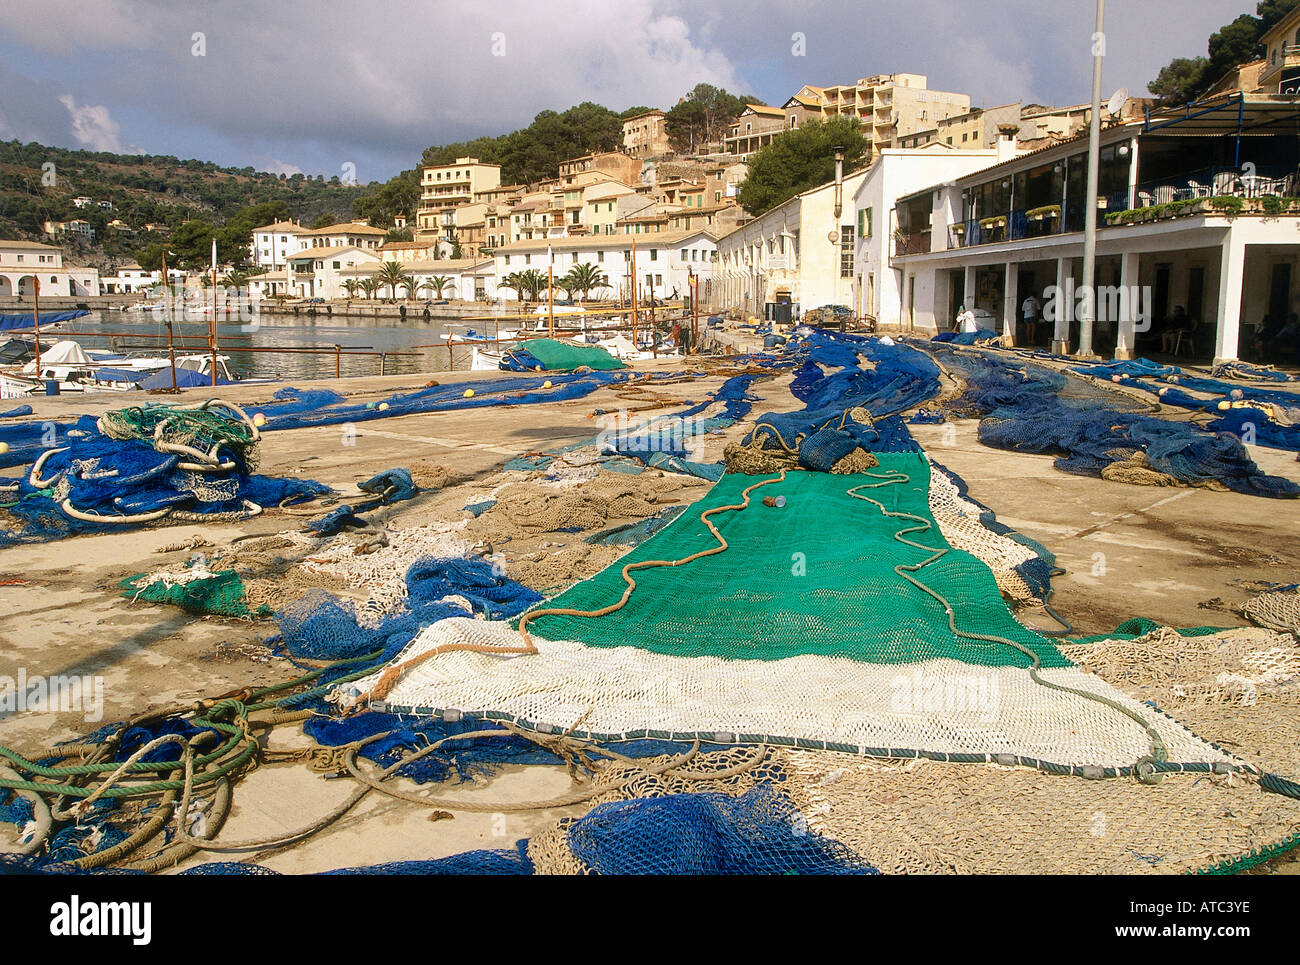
(131, 278)
(272, 244)
(454, 279)
(894, 173)
(1183, 223)
(22, 263)
(317, 272)
(665, 261)
(801, 252)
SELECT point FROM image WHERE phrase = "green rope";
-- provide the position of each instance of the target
(1145, 768)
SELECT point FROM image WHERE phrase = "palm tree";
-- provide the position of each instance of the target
(391, 276)
(371, 287)
(235, 278)
(437, 284)
(585, 278)
(352, 286)
(534, 283)
(514, 282)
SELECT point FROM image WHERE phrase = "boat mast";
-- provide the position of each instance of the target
(167, 316)
(212, 325)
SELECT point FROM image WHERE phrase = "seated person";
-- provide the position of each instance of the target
(965, 321)
(1287, 341)
(1269, 326)
(1179, 321)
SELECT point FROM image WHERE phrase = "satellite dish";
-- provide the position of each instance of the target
(1117, 101)
(833, 236)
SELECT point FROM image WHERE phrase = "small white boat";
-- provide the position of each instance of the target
(469, 335)
(71, 368)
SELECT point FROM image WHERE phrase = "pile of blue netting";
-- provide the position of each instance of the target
(1028, 408)
(967, 338)
(1256, 414)
(197, 468)
(665, 442)
(758, 833)
(853, 389)
(321, 626)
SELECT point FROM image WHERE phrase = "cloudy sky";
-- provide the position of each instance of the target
(314, 86)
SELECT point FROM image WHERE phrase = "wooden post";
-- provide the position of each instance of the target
(383, 359)
(338, 358)
(695, 309)
(635, 347)
(550, 291)
(36, 320)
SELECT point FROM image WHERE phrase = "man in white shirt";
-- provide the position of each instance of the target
(1029, 311)
(966, 320)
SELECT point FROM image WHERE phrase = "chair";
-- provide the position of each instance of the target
(1147, 198)
(1198, 190)
(1227, 182)
(1185, 337)
(1166, 193)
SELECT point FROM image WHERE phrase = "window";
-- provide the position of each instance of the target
(654, 254)
(600, 256)
(507, 259)
(684, 254)
(528, 259)
(846, 251)
(336, 265)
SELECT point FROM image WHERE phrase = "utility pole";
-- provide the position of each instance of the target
(550, 289)
(1088, 312)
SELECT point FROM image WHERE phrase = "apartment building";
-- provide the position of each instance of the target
(1281, 42)
(445, 187)
(613, 163)
(754, 130)
(23, 263)
(645, 135)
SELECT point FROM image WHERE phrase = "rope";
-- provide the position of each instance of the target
(1144, 768)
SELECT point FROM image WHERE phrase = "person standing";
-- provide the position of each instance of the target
(1030, 312)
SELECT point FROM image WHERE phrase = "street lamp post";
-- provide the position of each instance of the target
(1088, 308)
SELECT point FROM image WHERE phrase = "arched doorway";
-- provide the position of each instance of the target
(6, 286)
(26, 286)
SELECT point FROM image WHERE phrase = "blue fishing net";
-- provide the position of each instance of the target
(1026, 408)
(320, 626)
(108, 479)
(854, 406)
(760, 832)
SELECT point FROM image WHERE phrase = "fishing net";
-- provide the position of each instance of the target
(1277, 609)
(195, 590)
(814, 640)
(1026, 408)
(557, 356)
(760, 832)
(146, 465)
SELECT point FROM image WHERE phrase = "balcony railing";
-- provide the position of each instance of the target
(912, 242)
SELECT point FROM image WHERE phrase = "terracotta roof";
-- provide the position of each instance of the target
(345, 228)
(322, 252)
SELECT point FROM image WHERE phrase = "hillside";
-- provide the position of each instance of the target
(144, 189)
